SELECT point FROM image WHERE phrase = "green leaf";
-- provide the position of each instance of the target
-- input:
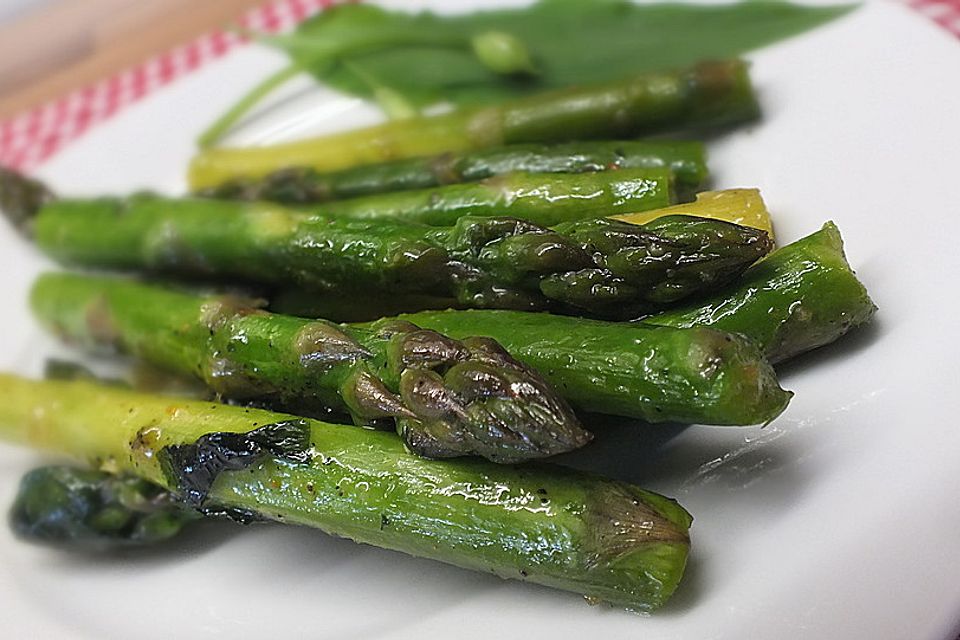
(570, 41)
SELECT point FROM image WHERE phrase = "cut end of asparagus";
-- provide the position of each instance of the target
(469, 397)
(848, 302)
(629, 531)
(800, 297)
(725, 94)
(746, 388)
(21, 199)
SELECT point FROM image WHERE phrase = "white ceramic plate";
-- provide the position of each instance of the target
(839, 520)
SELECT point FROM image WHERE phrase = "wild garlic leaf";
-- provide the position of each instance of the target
(427, 57)
(414, 60)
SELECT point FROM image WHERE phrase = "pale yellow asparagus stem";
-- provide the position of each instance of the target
(740, 206)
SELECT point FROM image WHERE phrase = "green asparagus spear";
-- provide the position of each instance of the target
(305, 185)
(707, 95)
(90, 509)
(798, 298)
(447, 397)
(739, 206)
(605, 539)
(601, 267)
(699, 375)
(544, 199)
(801, 297)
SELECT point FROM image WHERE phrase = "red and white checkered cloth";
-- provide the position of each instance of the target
(34, 136)
(946, 13)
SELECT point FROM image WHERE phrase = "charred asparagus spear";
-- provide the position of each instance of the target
(447, 397)
(91, 509)
(707, 95)
(305, 185)
(383, 369)
(607, 540)
(601, 267)
(544, 199)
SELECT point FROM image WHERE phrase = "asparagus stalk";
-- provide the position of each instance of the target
(707, 95)
(739, 206)
(801, 297)
(305, 185)
(447, 397)
(544, 199)
(600, 267)
(695, 375)
(798, 298)
(635, 370)
(605, 539)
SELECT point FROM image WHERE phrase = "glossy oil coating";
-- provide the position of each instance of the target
(660, 374)
(802, 296)
(543, 199)
(604, 539)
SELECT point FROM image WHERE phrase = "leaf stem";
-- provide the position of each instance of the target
(221, 125)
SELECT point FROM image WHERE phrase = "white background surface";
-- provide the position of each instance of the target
(839, 520)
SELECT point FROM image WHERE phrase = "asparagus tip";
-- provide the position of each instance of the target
(471, 397)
